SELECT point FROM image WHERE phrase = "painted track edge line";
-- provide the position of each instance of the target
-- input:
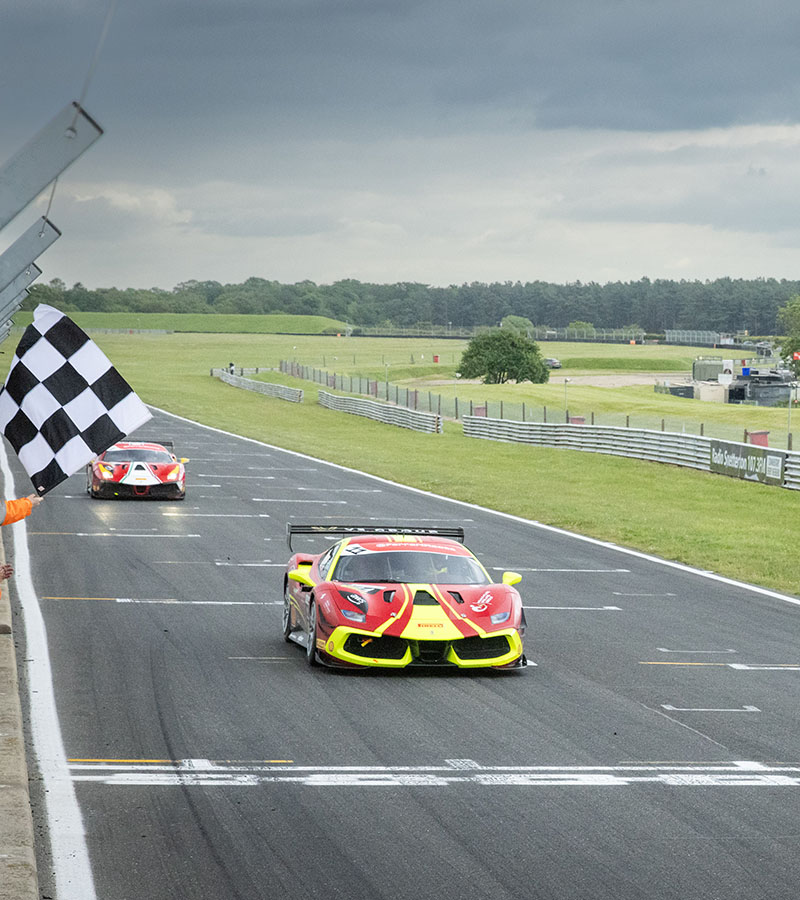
(638, 554)
(70, 854)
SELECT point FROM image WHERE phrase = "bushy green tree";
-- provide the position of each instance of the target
(504, 355)
(789, 322)
(789, 317)
(517, 323)
(788, 349)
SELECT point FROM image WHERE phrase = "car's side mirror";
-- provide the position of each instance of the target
(184, 459)
(301, 576)
(511, 578)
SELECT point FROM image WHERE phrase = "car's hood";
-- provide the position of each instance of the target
(440, 610)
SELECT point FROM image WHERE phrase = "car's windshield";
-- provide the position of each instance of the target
(409, 567)
(138, 454)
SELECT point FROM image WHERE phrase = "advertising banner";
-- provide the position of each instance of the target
(747, 461)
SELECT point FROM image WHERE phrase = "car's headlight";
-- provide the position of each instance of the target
(105, 471)
(173, 473)
(499, 618)
(356, 599)
(353, 615)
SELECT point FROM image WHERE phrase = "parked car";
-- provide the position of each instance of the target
(553, 363)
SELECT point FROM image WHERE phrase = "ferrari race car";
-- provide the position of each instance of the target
(395, 597)
(137, 469)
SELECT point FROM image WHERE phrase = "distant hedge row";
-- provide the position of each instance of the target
(725, 304)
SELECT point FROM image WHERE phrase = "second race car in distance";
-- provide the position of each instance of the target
(137, 469)
(400, 596)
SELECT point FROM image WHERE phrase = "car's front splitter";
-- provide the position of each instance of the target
(403, 653)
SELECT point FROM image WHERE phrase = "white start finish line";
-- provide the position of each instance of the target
(207, 773)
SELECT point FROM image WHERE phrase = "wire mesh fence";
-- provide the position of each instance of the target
(453, 407)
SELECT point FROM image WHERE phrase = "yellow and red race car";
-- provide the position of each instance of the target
(137, 469)
(400, 596)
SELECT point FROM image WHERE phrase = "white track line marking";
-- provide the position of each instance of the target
(70, 856)
(247, 477)
(337, 490)
(601, 608)
(266, 565)
(667, 650)
(294, 500)
(189, 772)
(636, 554)
(699, 709)
(529, 569)
(177, 515)
(263, 658)
(114, 534)
(778, 667)
(173, 601)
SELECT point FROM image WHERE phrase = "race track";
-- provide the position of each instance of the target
(654, 751)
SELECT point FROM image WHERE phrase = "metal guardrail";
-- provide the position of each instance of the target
(294, 395)
(693, 451)
(429, 423)
(791, 471)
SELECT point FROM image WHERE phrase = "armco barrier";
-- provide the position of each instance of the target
(688, 450)
(295, 395)
(382, 412)
(791, 471)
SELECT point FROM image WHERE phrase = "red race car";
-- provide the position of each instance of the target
(400, 596)
(137, 469)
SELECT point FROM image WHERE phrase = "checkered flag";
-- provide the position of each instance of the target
(63, 402)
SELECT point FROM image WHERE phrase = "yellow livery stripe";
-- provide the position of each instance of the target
(430, 623)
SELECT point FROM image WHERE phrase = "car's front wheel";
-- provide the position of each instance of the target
(287, 612)
(311, 635)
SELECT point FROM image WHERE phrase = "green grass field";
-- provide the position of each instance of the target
(209, 324)
(409, 363)
(738, 529)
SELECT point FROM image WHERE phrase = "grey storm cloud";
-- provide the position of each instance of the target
(438, 140)
(424, 65)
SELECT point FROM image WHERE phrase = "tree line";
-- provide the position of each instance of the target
(724, 304)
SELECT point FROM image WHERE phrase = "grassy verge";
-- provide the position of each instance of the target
(738, 529)
(279, 323)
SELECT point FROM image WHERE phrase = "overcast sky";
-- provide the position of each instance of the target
(440, 141)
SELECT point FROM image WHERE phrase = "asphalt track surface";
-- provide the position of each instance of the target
(654, 751)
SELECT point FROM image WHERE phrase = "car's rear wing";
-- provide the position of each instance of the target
(167, 445)
(454, 532)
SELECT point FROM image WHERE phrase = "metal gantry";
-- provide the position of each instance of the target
(22, 178)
